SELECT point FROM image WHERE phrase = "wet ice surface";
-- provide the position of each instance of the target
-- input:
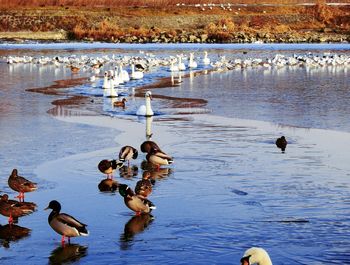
(230, 187)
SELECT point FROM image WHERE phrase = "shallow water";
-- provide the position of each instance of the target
(229, 188)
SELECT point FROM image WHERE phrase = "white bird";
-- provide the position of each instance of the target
(256, 255)
(173, 68)
(110, 92)
(135, 74)
(105, 81)
(206, 60)
(181, 65)
(92, 78)
(146, 110)
(192, 63)
(123, 74)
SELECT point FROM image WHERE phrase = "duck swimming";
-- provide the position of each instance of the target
(256, 255)
(65, 224)
(282, 143)
(134, 202)
(20, 184)
(120, 103)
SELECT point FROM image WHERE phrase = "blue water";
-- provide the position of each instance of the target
(229, 188)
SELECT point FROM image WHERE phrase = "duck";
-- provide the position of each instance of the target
(135, 74)
(20, 184)
(147, 146)
(158, 158)
(134, 202)
(108, 185)
(120, 103)
(282, 143)
(143, 187)
(74, 69)
(127, 153)
(256, 255)
(109, 166)
(13, 209)
(146, 110)
(65, 224)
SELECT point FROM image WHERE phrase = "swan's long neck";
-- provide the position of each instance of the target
(148, 107)
(132, 69)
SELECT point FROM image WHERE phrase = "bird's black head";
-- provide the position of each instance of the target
(123, 190)
(54, 205)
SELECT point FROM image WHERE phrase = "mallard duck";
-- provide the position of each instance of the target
(120, 103)
(143, 188)
(127, 153)
(147, 146)
(159, 158)
(14, 209)
(20, 184)
(74, 69)
(134, 202)
(64, 224)
(110, 185)
(108, 166)
(256, 255)
(282, 143)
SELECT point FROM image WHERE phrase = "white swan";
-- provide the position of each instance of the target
(181, 65)
(256, 255)
(173, 68)
(192, 63)
(146, 110)
(135, 74)
(206, 60)
(105, 81)
(110, 92)
(123, 74)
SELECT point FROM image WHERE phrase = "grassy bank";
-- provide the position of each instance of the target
(177, 23)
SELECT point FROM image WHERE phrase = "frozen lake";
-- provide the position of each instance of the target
(229, 188)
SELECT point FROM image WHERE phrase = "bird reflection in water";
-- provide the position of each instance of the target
(155, 174)
(108, 185)
(134, 226)
(128, 172)
(67, 254)
(12, 232)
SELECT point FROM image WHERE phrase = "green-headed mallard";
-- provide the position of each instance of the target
(64, 224)
(134, 202)
(282, 143)
(127, 153)
(20, 184)
(108, 166)
(14, 209)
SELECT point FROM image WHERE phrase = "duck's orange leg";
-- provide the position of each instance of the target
(63, 240)
(20, 197)
(10, 220)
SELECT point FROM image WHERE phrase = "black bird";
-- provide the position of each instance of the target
(282, 143)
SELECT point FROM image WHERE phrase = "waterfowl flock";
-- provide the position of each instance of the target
(137, 200)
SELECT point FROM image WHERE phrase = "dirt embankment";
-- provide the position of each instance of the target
(179, 24)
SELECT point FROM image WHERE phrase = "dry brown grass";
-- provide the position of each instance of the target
(153, 3)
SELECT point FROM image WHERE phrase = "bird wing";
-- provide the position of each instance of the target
(69, 220)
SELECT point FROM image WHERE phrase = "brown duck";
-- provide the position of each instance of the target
(143, 188)
(120, 103)
(108, 166)
(20, 184)
(127, 153)
(282, 143)
(14, 209)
